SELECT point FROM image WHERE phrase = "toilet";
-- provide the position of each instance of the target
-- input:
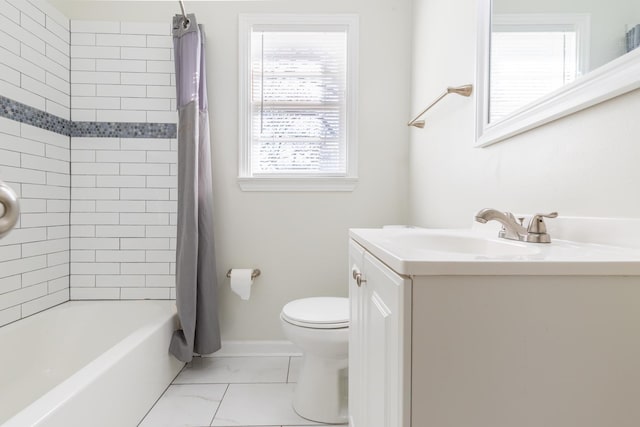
(320, 327)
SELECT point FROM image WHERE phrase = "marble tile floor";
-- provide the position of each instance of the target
(231, 391)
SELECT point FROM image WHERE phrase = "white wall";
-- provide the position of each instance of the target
(298, 240)
(583, 165)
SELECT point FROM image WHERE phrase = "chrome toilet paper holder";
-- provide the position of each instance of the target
(256, 272)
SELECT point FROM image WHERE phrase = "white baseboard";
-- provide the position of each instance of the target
(257, 348)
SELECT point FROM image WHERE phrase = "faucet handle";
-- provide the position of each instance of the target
(512, 217)
(537, 225)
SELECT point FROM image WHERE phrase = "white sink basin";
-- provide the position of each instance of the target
(421, 251)
(464, 244)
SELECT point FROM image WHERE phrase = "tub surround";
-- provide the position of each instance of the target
(34, 56)
(23, 113)
(123, 130)
(35, 156)
(88, 128)
(124, 161)
(34, 257)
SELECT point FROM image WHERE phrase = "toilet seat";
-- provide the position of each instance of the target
(318, 313)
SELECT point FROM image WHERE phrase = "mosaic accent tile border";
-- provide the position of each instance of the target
(123, 130)
(23, 113)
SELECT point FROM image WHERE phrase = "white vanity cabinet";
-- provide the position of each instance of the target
(444, 338)
(379, 343)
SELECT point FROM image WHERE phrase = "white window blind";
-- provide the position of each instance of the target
(298, 89)
(526, 65)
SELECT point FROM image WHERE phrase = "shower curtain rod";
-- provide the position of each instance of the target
(184, 14)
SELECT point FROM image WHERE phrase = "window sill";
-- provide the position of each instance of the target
(298, 184)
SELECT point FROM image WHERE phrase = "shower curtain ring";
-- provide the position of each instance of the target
(186, 22)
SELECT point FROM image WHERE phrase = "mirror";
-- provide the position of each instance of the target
(539, 61)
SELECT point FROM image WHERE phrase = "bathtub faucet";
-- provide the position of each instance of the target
(513, 229)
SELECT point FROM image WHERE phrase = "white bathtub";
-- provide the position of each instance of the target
(86, 363)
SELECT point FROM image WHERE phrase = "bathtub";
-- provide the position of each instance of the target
(86, 363)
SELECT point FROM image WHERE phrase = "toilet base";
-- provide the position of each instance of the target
(321, 331)
(321, 392)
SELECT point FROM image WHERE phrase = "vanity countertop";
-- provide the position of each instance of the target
(437, 252)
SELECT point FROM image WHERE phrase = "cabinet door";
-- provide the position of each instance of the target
(387, 333)
(356, 338)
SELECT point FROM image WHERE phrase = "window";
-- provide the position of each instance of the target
(532, 55)
(298, 102)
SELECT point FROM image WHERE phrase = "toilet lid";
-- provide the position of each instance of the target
(318, 312)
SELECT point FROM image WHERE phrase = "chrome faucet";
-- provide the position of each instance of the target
(513, 229)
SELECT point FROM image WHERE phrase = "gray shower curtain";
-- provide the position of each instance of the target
(196, 280)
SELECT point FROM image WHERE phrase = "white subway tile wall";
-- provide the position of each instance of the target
(34, 70)
(122, 72)
(34, 56)
(123, 197)
(34, 257)
(98, 214)
(123, 233)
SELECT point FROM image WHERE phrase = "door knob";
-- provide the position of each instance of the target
(359, 278)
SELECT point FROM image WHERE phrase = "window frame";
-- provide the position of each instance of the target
(297, 182)
(605, 82)
(579, 24)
